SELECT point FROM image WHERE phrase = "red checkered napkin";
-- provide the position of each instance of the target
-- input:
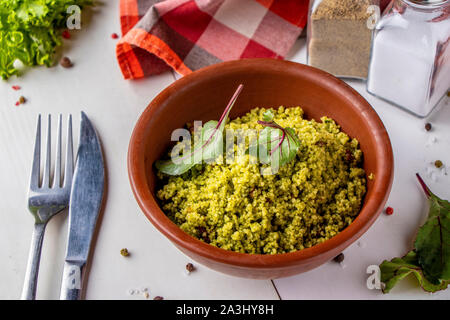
(187, 35)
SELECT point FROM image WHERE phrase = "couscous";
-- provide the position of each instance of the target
(235, 207)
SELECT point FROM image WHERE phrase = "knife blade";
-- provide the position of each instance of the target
(85, 204)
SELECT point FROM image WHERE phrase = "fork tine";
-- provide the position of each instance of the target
(47, 168)
(36, 167)
(68, 172)
(57, 178)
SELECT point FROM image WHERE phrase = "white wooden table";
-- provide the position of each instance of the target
(96, 86)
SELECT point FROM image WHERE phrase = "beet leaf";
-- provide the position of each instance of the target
(433, 239)
(209, 147)
(276, 145)
(430, 259)
(399, 268)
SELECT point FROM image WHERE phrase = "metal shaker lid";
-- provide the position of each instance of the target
(429, 2)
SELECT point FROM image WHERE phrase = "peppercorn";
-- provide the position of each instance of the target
(438, 164)
(158, 298)
(389, 211)
(124, 252)
(22, 99)
(190, 267)
(339, 258)
(66, 63)
(428, 126)
(66, 34)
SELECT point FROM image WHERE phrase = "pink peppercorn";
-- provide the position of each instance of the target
(16, 88)
(389, 211)
(114, 36)
(66, 34)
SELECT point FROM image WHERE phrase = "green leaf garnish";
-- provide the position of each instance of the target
(399, 268)
(211, 144)
(433, 239)
(430, 259)
(30, 31)
(276, 145)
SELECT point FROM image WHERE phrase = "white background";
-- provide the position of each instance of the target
(96, 86)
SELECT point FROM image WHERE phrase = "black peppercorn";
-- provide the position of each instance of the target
(339, 258)
(190, 267)
(66, 63)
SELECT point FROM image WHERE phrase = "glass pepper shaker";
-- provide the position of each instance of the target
(340, 36)
(410, 59)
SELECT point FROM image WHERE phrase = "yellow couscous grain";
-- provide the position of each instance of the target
(309, 200)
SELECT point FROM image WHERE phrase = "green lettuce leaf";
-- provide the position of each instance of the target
(30, 31)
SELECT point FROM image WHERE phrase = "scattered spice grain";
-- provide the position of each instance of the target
(389, 211)
(66, 34)
(428, 126)
(114, 36)
(438, 164)
(21, 100)
(15, 87)
(339, 258)
(158, 298)
(124, 252)
(66, 62)
(190, 267)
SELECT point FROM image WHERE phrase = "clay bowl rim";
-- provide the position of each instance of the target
(371, 210)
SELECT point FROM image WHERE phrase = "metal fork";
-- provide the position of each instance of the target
(47, 199)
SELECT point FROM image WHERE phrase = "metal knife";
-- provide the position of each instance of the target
(85, 203)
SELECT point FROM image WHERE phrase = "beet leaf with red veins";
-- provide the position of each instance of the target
(429, 261)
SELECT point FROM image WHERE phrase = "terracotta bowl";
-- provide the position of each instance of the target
(203, 95)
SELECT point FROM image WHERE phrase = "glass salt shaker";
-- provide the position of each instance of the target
(410, 59)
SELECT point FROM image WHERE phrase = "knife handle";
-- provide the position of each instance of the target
(72, 281)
